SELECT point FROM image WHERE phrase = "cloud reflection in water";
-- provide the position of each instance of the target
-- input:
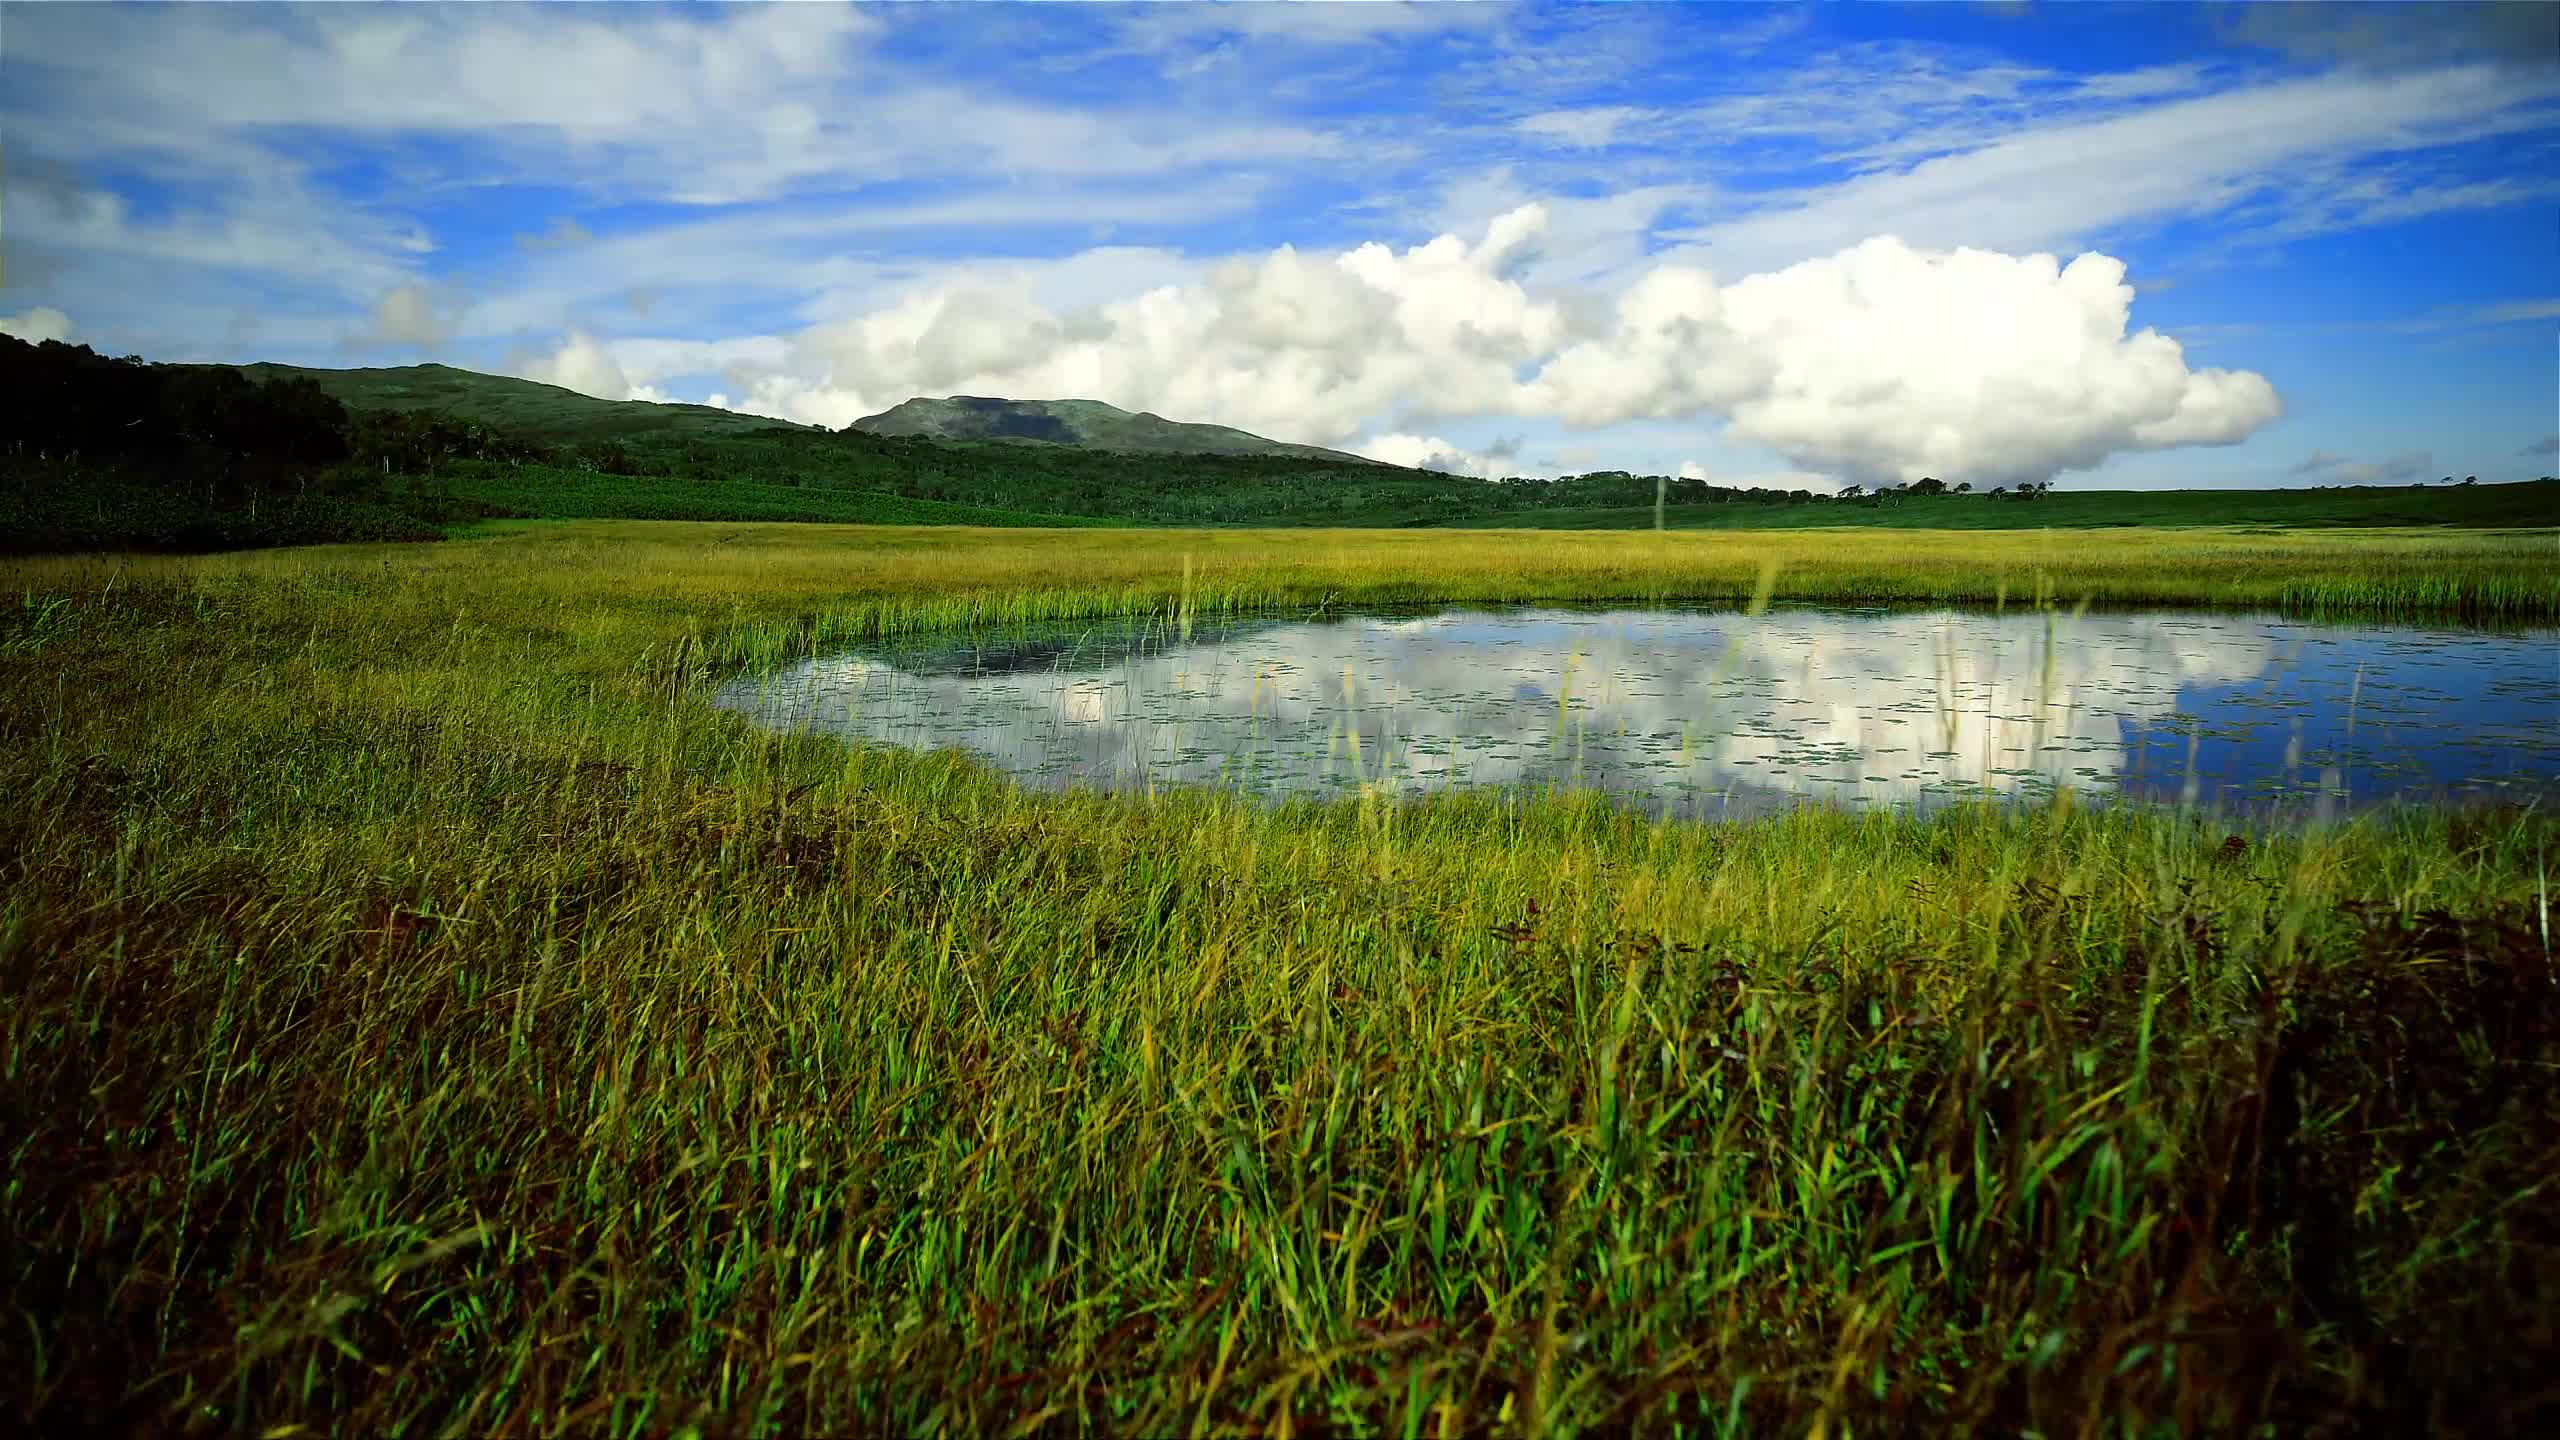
(1715, 713)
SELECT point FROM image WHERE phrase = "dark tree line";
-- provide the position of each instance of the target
(79, 406)
(222, 428)
(105, 451)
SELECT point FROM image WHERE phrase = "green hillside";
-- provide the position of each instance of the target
(1068, 484)
(646, 460)
(545, 413)
(1087, 424)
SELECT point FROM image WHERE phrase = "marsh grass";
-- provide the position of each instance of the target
(425, 1015)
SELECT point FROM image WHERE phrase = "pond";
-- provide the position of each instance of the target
(1715, 713)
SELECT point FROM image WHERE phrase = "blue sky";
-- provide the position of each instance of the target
(2137, 245)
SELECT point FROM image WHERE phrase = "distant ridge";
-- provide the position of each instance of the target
(1082, 424)
(556, 414)
(548, 413)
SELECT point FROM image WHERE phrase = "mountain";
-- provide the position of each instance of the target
(550, 414)
(1084, 424)
(545, 413)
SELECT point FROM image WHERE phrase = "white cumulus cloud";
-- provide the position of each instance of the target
(1881, 363)
(1887, 363)
(37, 325)
(585, 365)
(1298, 347)
(1430, 452)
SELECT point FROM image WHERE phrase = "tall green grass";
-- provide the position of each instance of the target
(425, 1016)
(2489, 597)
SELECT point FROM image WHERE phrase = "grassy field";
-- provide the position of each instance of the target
(851, 583)
(426, 1015)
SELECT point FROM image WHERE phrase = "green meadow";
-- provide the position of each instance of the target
(427, 1015)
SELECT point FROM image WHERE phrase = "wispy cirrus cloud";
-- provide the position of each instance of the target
(2065, 183)
(2473, 317)
(562, 233)
(1592, 128)
(2517, 311)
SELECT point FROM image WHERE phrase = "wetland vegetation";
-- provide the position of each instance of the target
(429, 1012)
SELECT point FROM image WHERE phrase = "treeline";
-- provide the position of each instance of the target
(1156, 488)
(115, 453)
(1147, 488)
(1205, 489)
(76, 405)
(1619, 489)
(1616, 489)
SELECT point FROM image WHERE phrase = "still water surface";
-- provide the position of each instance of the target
(1714, 713)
